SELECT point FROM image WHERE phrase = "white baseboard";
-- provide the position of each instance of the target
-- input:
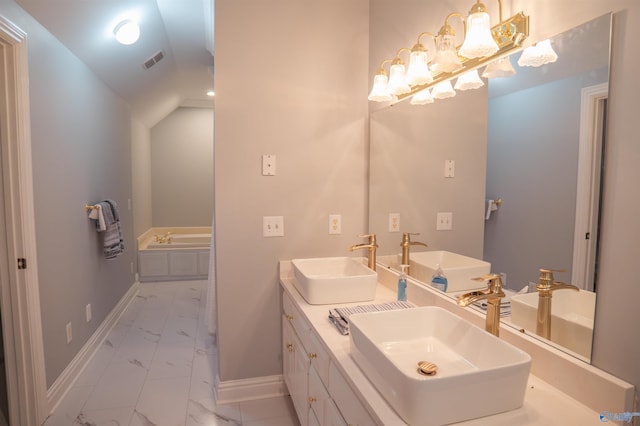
(65, 381)
(248, 389)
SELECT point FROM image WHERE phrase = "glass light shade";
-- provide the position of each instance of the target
(422, 97)
(446, 59)
(418, 71)
(469, 80)
(127, 32)
(540, 54)
(479, 41)
(379, 92)
(549, 55)
(499, 69)
(397, 80)
(443, 90)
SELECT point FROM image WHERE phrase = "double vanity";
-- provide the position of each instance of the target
(431, 364)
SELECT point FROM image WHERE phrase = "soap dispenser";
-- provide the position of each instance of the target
(402, 284)
(439, 280)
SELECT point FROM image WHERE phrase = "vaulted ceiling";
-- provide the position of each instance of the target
(181, 29)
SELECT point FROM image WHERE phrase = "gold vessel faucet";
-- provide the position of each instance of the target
(406, 245)
(371, 245)
(546, 286)
(493, 295)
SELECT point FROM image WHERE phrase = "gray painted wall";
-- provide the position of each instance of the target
(141, 177)
(301, 95)
(81, 151)
(182, 168)
(532, 162)
(409, 146)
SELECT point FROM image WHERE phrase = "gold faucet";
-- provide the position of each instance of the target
(546, 286)
(406, 244)
(163, 238)
(493, 295)
(372, 246)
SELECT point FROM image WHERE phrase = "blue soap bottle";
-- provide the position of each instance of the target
(439, 280)
(402, 284)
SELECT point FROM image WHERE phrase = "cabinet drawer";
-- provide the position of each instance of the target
(319, 357)
(350, 407)
(294, 316)
(318, 396)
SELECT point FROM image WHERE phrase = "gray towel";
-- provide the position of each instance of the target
(113, 243)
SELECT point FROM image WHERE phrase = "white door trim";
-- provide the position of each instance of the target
(587, 198)
(27, 387)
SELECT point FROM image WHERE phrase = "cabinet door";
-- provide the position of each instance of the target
(350, 407)
(296, 370)
(332, 416)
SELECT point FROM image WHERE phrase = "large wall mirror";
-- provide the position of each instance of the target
(534, 140)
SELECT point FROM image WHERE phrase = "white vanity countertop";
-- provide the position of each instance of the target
(544, 405)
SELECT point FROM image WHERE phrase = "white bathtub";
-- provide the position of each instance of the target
(183, 254)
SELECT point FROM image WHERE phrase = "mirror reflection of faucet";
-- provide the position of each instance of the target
(546, 286)
(406, 244)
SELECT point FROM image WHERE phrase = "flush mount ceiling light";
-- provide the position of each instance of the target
(482, 45)
(127, 32)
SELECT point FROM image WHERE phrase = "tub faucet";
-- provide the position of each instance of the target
(372, 246)
(406, 244)
(546, 286)
(164, 238)
(493, 295)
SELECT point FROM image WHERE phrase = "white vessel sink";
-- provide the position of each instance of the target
(459, 270)
(326, 280)
(477, 374)
(572, 316)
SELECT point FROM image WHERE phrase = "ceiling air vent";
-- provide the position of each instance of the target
(157, 57)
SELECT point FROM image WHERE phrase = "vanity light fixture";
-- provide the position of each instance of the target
(418, 71)
(499, 69)
(537, 55)
(398, 84)
(443, 90)
(446, 59)
(379, 92)
(449, 62)
(127, 32)
(423, 97)
(469, 80)
(478, 41)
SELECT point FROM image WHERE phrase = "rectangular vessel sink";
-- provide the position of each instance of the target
(477, 373)
(326, 280)
(572, 316)
(459, 269)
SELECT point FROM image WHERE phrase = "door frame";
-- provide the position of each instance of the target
(20, 301)
(588, 193)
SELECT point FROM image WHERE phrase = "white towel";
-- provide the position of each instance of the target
(96, 214)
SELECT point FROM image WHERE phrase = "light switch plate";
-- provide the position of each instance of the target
(273, 226)
(444, 221)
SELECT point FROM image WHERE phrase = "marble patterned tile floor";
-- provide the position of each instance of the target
(156, 368)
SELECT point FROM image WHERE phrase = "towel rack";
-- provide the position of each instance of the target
(88, 207)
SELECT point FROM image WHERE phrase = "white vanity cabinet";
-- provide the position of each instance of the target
(319, 393)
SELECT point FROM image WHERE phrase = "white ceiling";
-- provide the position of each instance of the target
(183, 29)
